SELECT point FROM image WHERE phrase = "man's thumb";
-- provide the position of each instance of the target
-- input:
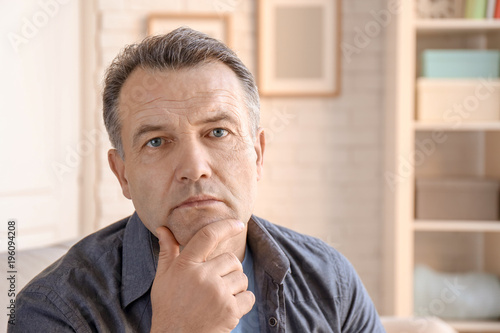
(169, 248)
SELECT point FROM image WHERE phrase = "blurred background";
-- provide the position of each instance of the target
(352, 144)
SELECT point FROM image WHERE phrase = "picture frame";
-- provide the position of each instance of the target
(299, 48)
(218, 26)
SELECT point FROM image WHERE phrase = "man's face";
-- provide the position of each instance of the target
(190, 158)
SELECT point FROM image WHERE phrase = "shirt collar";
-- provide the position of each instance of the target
(266, 252)
(140, 250)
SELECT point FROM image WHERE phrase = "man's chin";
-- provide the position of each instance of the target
(185, 226)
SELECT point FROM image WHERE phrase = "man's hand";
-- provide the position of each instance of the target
(191, 294)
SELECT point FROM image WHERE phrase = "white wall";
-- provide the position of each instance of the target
(39, 126)
(323, 167)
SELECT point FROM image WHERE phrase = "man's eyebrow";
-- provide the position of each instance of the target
(217, 117)
(143, 129)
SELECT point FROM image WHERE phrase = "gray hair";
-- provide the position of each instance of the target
(181, 48)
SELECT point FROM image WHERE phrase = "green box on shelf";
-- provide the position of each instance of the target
(460, 63)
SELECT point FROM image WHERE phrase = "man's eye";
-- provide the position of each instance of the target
(156, 142)
(219, 132)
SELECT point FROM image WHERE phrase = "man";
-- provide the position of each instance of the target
(182, 112)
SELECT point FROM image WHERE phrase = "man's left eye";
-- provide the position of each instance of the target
(218, 132)
(154, 143)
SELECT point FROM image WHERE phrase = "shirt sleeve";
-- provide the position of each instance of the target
(43, 311)
(358, 310)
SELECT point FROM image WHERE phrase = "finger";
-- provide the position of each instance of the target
(169, 248)
(224, 264)
(236, 282)
(206, 240)
(245, 301)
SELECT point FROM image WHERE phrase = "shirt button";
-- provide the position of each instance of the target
(273, 322)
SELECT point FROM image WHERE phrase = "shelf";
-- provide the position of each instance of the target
(475, 326)
(464, 126)
(456, 226)
(446, 245)
(456, 25)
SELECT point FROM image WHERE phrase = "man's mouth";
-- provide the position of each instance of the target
(198, 201)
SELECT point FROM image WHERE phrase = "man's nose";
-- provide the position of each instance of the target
(193, 162)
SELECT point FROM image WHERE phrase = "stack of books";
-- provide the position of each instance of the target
(482, 9)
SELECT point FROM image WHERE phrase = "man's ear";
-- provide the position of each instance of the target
(260, 146)
(117, 165)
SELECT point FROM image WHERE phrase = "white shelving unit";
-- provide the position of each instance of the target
(433, 26)
(479, 126)
(446, 245)
(475, 326)
(456, 226)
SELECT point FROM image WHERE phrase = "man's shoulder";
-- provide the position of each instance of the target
(77, 288)
(87, 256)
(290, 240)
(312, 257)
(321, 281)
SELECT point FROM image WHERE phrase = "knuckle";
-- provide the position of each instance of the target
(234, 322)
(220, 291)
(231, 308)
(251, 298)
(245, 279)
(199, 279)
(231, 258)
(207, 276)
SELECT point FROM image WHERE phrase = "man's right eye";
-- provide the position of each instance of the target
(154, 143)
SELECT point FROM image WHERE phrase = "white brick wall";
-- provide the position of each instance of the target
(323, 162)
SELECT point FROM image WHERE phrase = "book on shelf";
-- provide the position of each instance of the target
(497, 10)
(490, 10)
(475, 9)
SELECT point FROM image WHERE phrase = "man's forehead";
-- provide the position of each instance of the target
(172, 96)
(193, 115)
(192, 109)
(212, 85)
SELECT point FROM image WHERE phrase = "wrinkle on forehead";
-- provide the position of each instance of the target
(194, 108)
(215, 99)
(193, 111)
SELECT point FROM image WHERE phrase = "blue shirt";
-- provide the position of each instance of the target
(249, 323)
(103, 284)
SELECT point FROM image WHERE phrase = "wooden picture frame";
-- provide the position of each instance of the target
(218, 26)
(299, 48)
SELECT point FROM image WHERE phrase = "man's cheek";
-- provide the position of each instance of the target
(143, 191)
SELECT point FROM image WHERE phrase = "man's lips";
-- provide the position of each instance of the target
(199, 200)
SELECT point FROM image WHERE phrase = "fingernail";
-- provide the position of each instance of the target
(240, 225)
